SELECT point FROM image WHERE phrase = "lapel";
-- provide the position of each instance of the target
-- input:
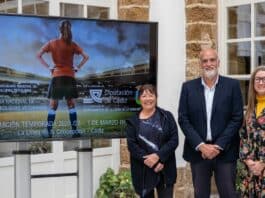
(201, 98)
(217, 94)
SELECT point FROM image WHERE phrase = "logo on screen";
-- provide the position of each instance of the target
(95, 95)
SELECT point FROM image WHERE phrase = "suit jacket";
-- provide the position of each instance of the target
(226, 118)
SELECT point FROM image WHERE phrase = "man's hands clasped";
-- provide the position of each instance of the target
(209, 151)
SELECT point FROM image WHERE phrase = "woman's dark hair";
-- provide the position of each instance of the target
(65, 30)
(147, 87)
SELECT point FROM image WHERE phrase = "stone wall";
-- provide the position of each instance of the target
(201, 32)
(136, 10)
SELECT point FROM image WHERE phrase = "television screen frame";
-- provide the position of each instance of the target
(23, 97)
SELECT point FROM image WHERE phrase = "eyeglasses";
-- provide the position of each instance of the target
(211, 60)
(260, 80)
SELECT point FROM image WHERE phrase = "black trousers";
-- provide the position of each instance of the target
(163, 191)
(224, 174)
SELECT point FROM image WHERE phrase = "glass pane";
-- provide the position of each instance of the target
(70, 145)
(71, 10)
(259, 19)
(239, 58)
(244, 89)
(97, 12)
(40, 147)
(96, 143)
(259, 53)
(239, 24)
(8, 6)
(36, 7)
(99, 143)
(6, 149)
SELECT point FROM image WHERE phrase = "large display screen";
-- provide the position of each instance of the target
(66, 78)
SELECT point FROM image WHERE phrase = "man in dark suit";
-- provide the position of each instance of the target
(210, 115)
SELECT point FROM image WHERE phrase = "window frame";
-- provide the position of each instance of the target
(223, 35)
(223, 40)
(54, 8)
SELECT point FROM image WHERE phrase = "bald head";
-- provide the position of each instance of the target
(208, 51)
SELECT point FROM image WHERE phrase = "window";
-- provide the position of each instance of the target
(97, 12)
(36, 7)
(74, 10)
(242, 38)
(96, 143)
(8, 6)
(71, 10)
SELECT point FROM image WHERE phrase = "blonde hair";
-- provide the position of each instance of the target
(252, 93)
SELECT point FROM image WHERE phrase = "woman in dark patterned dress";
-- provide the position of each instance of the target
(252, 145)
(152, 137)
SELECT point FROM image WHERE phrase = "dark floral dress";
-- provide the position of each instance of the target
(252, 146)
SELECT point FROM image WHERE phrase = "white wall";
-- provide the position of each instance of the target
(58, 162)
(170, 15)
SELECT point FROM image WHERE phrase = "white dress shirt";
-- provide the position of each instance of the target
(208, 95)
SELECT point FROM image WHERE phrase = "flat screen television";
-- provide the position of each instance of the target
(34, 106)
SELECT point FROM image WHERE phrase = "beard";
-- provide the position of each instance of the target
(210, 74)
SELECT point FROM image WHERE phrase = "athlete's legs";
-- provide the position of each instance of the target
(72, 115)
(51, 115)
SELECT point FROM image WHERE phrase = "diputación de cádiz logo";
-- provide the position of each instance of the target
(95, 96)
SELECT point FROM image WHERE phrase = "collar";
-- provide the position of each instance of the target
(206, 86)
(260, 98)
